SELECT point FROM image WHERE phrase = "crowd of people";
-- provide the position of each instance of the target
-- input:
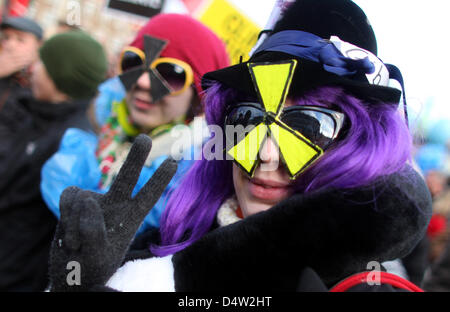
(315, 176)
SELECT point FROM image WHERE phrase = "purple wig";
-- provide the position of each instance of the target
(377, 142)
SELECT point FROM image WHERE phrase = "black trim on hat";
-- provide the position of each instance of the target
(308, 76)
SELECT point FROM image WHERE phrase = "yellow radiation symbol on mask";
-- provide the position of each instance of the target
(272, 82)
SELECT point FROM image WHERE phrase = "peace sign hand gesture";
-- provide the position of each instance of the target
(95, 230)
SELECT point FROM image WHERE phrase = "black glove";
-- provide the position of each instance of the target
(95, 230)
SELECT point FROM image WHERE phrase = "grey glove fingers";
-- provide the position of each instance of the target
(69, 206)
(152, 190)
(67, 199)
(92, 226)
(128, 175)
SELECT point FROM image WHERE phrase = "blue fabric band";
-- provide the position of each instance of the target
(311, 47)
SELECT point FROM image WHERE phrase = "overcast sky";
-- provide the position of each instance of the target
(411, 34)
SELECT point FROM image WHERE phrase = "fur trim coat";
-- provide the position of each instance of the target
(336, 233)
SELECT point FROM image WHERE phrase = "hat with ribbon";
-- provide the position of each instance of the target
(334, 45)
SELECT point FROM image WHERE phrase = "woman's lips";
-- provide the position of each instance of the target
(268, 190)
(142, 104)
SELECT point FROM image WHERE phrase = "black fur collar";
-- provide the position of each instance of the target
(337, 233)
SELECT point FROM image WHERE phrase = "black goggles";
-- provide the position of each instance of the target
(320, 125)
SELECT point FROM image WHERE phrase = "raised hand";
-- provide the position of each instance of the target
(95, 230)
(13, 61)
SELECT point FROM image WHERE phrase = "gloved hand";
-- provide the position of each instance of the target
(95, 230)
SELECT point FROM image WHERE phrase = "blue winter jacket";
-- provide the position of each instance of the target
(75, 163)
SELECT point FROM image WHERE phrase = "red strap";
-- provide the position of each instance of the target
(385, 278)
(239, 213)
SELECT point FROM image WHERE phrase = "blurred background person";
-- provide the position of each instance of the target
(20, 40)
(131, 104)
(64, 80)
(433, 159)
(437, 277)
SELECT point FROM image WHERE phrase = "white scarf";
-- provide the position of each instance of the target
(226, 214)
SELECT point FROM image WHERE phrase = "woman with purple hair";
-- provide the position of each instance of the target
(310, 183)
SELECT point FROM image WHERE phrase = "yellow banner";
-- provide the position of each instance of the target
(238, 31)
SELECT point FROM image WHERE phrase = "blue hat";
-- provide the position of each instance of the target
(23, 24)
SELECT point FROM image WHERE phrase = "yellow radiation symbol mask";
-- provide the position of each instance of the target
(297, 152)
